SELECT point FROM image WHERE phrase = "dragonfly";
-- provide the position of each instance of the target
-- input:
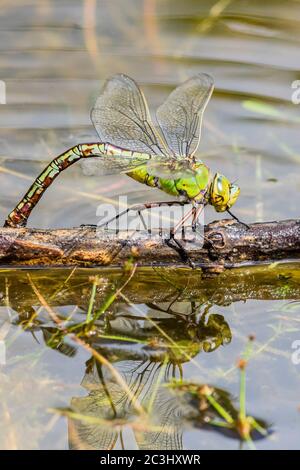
(161, 156)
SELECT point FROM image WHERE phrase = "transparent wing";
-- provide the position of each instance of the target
(169, 424)
(156, 166)
(112, 164)
(121, 117)
(180, 116)
(170, 170)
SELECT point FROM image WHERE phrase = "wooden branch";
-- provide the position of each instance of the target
(227, 244)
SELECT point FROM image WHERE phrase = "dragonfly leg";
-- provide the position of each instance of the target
(137, 208)
(181, 222)
(196, 213)
(237, 219)
(142, 219)
(141, 207)
(177, 246)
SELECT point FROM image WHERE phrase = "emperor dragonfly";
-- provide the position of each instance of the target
(162, 157)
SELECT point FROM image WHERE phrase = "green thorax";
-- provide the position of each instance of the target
(190, 188)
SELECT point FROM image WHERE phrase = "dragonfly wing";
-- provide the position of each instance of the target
(112, 164)
(170, 170)
(121, 117)
(180, 116)
(156, 166)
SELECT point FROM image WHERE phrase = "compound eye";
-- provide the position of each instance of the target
(219, 185)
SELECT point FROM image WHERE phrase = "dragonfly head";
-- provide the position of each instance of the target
(223, 194)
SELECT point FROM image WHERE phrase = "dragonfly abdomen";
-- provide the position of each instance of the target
(19, 216)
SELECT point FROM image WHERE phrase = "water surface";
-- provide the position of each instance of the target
(54, 57)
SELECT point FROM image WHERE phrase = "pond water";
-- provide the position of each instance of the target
(91, 390)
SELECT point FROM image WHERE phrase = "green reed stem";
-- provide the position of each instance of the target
(242, 394)
(89, 314)
(219, 408)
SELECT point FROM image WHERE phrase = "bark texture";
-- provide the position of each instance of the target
(227, 244)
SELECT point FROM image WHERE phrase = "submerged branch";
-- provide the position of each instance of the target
(227, 244)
